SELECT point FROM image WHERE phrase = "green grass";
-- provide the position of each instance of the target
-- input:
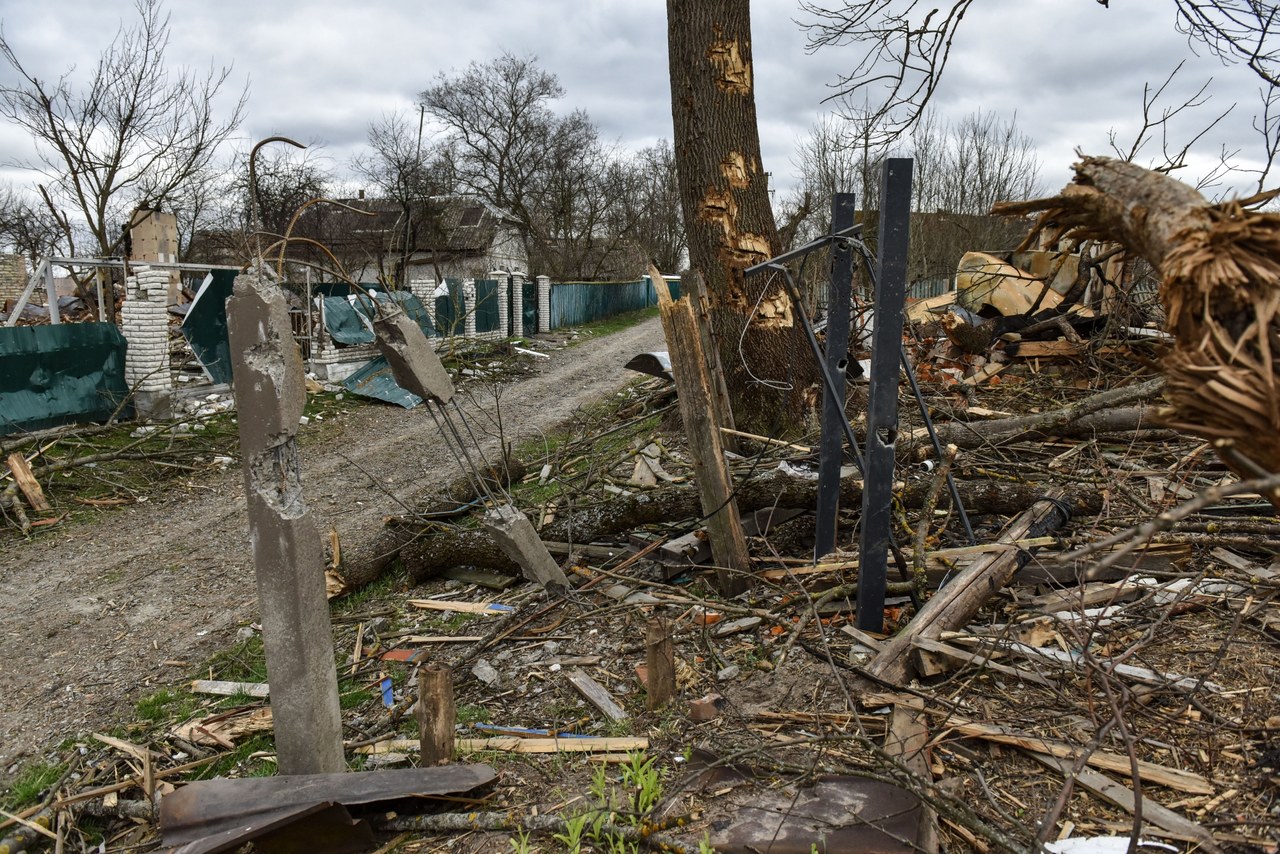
(30, 784)
(469, 713)
(237, 763)
(246, 661)
(166, 705)
(610, 325)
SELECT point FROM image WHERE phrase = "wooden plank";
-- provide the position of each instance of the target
(27, 483)
(694, 288)
(906, 740)
(230, 689)
(596, 695)
(1124, 797)
(931, 651)
(480, 577)
(715, 489)
(512, 744)
(1059, 349)
(461, 607)
(1173, 778)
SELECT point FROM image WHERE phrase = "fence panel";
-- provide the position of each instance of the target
(450, 310)
(52, 375)
(574, 303)
(487, 295)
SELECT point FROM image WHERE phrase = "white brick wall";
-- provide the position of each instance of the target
(544, 304)
(144, 322)
(517, 304)
(469, 307)
(424, 289)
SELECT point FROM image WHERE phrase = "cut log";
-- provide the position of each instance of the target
(27, 483)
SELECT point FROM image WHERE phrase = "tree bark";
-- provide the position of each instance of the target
(1220, 265)
(724, 194)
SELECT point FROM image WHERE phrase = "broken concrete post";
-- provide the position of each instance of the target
(514, 534)
(503, 290)
(660, 661)
(413, 360)
(517, 304)
(144, 322)
(436, 714)
(288, 560)
(544, 304)
(469, 308)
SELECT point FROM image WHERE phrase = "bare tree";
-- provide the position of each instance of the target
(901, 47)
(26, 228)
(136, 133)
(498, 122)
(408, 177)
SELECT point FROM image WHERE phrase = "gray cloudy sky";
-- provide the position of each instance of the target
(321, 70)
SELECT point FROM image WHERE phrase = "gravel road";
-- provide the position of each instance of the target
(92, 613)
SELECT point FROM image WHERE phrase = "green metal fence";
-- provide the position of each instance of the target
(573, 303)
(51, 375)
(450, 310)
(488, 293)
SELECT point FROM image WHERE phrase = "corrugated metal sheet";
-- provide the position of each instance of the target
(51, 375)
(375, 380)
(574, 303)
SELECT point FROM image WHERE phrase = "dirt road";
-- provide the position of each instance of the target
(92, 614)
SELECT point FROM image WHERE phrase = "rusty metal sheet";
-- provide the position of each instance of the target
(213, 807)
(327, 828)
(833, 813)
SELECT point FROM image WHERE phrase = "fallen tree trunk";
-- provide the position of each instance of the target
(1220, 266)
(433, 552)
(984, 434)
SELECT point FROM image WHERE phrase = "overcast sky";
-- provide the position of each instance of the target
(320, 71)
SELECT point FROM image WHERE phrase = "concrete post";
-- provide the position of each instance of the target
(144, 322)
(469, 307)
(504, 305)
(544, 304)
(288, 560)
(517, 304)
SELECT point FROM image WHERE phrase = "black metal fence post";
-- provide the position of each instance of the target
(839, 296)
(882, 409)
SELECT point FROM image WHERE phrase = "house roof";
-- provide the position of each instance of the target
(462, 225)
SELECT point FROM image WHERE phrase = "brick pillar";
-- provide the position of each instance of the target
(424, 288)
(517, 304)
(13, 277)
(469, 307)
(144, 322)
(503, 281)
(544, 304)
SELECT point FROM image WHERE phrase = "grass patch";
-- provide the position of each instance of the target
(246, 661)
(31, 784)
(166, 705)
(241, 762)
(610, 325)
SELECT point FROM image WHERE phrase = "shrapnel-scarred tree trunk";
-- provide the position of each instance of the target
(772, 378)
(1220, 271)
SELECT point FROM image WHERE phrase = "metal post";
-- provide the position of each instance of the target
(882, 409)
(51, 294)
(839, 295)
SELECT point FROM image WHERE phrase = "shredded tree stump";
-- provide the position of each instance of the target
(1220, 270)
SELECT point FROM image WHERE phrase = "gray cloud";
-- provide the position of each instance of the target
(322, 70)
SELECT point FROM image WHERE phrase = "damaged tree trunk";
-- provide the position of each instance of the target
(1220, 271)
(724, 196)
